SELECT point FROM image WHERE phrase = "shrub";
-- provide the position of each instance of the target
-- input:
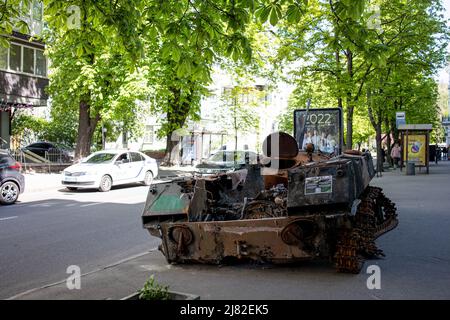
(154, 291)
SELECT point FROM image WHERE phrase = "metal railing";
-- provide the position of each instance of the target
(30, 159)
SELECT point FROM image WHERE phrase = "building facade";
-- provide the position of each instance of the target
(202, 138)
(23, 72)
(446, 120)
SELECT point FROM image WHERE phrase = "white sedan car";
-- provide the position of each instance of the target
(104, 169)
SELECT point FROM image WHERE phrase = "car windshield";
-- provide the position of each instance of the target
(100, 158)
(238, 156)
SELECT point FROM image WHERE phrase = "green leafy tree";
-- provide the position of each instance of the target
(12, 14)
(191, 38)
(372, 69)
(94, 48)
(183, 41)
(239, 110)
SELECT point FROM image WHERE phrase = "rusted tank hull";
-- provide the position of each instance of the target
(296, 205)
(273, 240)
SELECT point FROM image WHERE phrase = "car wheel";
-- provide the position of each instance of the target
(9, 192)
(105, 184)
(72, 188)
(148, 180)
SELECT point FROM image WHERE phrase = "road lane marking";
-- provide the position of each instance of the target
(15, 206)
(42, 205)
(90, 204)
(8, 218)
(70, 205)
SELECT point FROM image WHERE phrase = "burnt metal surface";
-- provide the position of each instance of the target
(299, 205)
(276, 240)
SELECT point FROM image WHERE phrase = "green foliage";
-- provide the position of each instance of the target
(11, 13)
(154, 291)
(58, 129)
(239, 110)
(97, 63)
(20, 122)
(342, 56)
(183, 41)
(160, 50)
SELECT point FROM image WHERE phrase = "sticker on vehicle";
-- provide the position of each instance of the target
(318, 185)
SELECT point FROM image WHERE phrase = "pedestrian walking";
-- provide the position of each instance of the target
(395, 154)
(383, 154)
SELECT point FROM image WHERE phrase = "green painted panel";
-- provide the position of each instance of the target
(168, 203)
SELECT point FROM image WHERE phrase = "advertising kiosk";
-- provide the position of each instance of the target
(415, 139)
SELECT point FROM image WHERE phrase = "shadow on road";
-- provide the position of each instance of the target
(91, 190)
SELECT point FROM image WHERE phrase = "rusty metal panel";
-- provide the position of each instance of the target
(266, 240)
(330, 182)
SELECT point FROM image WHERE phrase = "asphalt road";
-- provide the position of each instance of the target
(46, 232)
(40, 238)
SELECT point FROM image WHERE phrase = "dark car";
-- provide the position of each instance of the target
(227, 160)
(12, 182)
(51, 151)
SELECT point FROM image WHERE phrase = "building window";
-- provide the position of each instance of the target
(149, 135)
(3, 58)
(28, 60)
(15, 57)
(41, 63)
(37, 10)
(23, 59)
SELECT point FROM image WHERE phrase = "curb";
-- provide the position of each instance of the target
(21, 294)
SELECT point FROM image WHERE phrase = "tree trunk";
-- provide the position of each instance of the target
(176, 119)
(172, 151)
(379, 154)
(350, 106)
(349, 123)
(376, 123)
(388, 141)
(235, 134)
(338, 76)
(86, 128)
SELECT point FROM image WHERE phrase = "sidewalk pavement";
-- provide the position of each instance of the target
(418, 245)
(37, 182)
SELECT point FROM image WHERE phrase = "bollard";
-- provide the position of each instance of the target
(410, 169)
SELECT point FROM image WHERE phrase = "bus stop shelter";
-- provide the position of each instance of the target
(415, 139)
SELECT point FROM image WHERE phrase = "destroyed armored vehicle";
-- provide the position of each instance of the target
(303, 202)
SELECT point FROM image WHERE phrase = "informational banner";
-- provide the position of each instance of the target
(416, 149)
(323, 128)
(400, 118)
(317, 185)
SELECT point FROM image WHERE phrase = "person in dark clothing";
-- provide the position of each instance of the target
(383, 154)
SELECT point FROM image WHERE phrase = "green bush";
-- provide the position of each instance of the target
(61, 130)
(154, 291)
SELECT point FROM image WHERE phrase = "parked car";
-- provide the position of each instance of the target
(226, 160)
(104, 169)
(55, 152)
(12, 182)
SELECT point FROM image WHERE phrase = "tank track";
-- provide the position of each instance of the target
(375, 216)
